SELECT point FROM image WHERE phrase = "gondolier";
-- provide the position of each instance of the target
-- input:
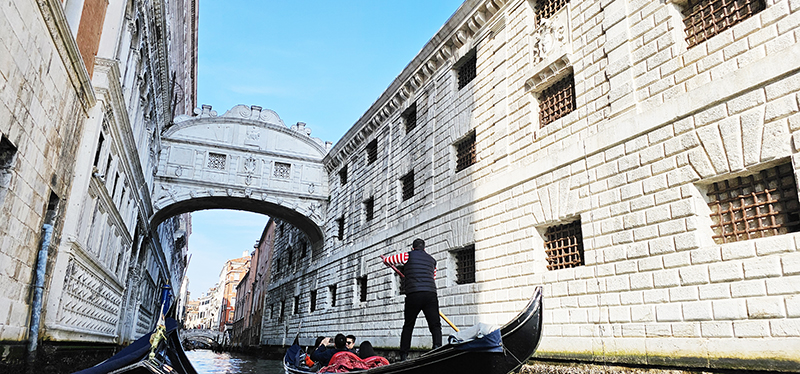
(420, 273)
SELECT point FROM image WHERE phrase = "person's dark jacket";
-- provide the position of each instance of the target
(419, 272)
(323, 354)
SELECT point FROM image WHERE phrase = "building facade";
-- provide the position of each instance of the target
(232, 273)
(87, 87)
(251, 291)
(637, 159)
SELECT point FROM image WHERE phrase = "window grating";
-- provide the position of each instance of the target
(313, 300)
(303, 248)
(283, 170)
(7, 157)
(407, 182)
(402, 280)
(283, 310)
(340, 231)
(372, 151)
(705, 18)
(362, 288)
(410, 117)
(215, 161)
(465, 264)
(564, 246)
(465, 152)
(755, 206)
(546, 8)
(369, 208)
(296, 305)
(557, 101)
(343, 175)
(332, 291)
(468, 70)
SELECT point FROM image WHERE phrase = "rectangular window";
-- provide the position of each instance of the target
(369, 209)
(216, 161)
(303, 249)
(362, 288)
(99, 149)
(401, 280)
(467, 69)
(340, 228)
(564, 246)
(296, 305)
(278, 265)
(332, 294)
(546, 8)
(108, 164)
(465, 152)
(343, 175)
(755, 206)
(407, 182)
(8, 154)
(283, 170)
(557, 100)
(465, 264)
(283, 310)
(313, 300)
(290, 254)
(372, 151)
(705, 18)
(410, 117)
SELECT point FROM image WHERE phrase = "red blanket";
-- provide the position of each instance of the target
(343, 362)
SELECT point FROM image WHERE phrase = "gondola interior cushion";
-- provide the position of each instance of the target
(478, 338)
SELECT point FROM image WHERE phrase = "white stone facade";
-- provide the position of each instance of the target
(655, 123)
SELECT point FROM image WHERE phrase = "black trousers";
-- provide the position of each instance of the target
(428, 303)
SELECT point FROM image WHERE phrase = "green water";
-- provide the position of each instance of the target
(208, 362)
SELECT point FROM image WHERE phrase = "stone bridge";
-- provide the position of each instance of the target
(206, 336)
(246, 159)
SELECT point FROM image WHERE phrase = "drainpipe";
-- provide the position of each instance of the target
(38, 291)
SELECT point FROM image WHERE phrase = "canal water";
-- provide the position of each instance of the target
(208, 362)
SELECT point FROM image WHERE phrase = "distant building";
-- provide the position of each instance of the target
(251, 292)
(192, 315)
(229, 277)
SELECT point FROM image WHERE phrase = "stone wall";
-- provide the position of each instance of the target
(656, 123)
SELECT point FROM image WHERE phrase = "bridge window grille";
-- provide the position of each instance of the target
(7, 157)
(362, 288)
(467, 69)
(332, 294)
(557, 101)
(407, 182)
(564, 246)
(465, 264)
(369, 209)
(216, 161)
(465, 152)
(546, 8)
(340, 228)
(283, 170)
(296, 305)
(705, 18)
(372, 151)
(343, 175)
(313, 301)
(410, 117)
(759, 205)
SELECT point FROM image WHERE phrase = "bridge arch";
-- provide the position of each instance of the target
(246, 159)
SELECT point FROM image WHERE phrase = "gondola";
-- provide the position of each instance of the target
(520, 337)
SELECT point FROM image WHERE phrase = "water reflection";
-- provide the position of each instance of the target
(208, 362)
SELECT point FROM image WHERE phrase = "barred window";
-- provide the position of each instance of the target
(465, 152)
(215, 161)
(557, 100)
(465, 264)
(340, 228)
(401, 280)
(290, 254)
(332, 294)
(8, 154)
(705, 18)
(313, 300)
(369, 208)
(343, 175)
(303, 248)
(410, 117)
(564, 246)
(546, 8)
(407, 182)
(468, 69)
(362, 288)
(283, 170)
(296, 305)
(372, 151)
(755, 206)
(283, 310)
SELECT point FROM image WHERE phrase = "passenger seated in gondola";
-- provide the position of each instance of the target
(351, 343)
(306, 357)
(365, 350)
(323, 354)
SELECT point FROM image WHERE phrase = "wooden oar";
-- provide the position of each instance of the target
(396, 270)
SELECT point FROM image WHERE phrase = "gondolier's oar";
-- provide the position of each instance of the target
(396, 270)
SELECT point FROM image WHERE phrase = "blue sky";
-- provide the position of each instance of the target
(319, 62)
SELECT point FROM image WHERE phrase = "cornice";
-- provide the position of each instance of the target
(56, 22)
(122, 127)
(447, 45)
